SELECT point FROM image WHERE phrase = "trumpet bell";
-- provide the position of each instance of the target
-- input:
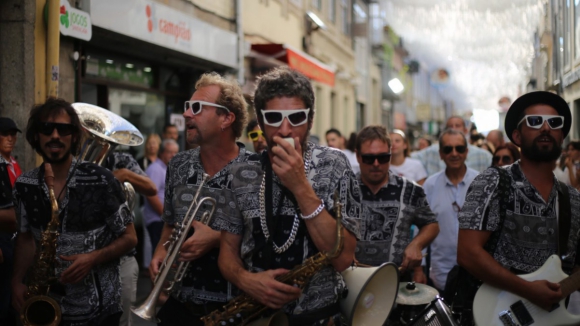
(371, 294)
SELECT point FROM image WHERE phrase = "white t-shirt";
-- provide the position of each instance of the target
(411, 169)
(352, 160)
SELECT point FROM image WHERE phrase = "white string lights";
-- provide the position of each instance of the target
(486, 45)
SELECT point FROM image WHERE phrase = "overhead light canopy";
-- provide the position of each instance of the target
(396, 85)
(316, 20)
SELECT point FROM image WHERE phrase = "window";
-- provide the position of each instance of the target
(332, 10)
(317, 4)
(345, 16)
(576, 29)
(567, 37)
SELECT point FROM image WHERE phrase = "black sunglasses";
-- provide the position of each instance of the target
(505, 159)
(459, 149)
(370, 158)
(64, 129)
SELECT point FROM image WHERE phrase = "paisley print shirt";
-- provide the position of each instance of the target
(203, 281)
(529, 234)
(92, 214)
(387, 218)
(329, 172)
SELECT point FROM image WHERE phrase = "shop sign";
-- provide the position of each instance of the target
(167, 27)
(118, 72)
(74, 23)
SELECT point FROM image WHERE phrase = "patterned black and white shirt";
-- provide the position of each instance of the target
(203, 281)
(92, 214)
(387, 219)
(121, 160)
(329, 172)
(530, 231)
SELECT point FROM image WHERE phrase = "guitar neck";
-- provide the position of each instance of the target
(570, 284)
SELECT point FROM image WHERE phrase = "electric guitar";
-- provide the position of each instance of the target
(492, 306)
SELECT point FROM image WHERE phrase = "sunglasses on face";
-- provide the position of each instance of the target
(196, 106)
(296, 118)
(459, 149)
(255, 135)
(505, 159)
(370, 158)
(7, 133)
(537, 121)
(64, 129)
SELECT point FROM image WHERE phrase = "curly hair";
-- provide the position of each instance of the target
(231, 96)
(50, 109)
(283, 82)
(370, 133)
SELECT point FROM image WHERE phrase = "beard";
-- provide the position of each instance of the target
(540, 153)
(55, 158)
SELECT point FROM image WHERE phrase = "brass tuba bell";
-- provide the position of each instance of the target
(106, 130)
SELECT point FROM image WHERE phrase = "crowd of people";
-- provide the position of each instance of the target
(489, 208)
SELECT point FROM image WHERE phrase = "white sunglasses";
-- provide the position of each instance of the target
(196, 106)
(536, 121)
(296, 118)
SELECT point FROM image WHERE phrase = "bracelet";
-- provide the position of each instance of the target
(315, 213)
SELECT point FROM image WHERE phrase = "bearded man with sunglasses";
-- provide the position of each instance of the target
(286, 206)
(215, 117)
(391, 204)
(96, 226)
(501, 234)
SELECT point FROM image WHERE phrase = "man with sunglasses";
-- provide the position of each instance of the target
(96, 226)
(286, 206)
(9, 171)
(256, 135)
(391, 204)
(445, 192)
(215, 117)
(496, 243)
(477, 158)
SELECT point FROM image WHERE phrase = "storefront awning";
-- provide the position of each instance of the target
(298, 60)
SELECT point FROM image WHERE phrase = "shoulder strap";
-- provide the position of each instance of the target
(565, 212)
(502, 191)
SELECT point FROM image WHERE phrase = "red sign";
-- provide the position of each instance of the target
(298, 61)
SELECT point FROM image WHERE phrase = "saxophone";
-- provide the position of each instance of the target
(39, 308)
(244, 310)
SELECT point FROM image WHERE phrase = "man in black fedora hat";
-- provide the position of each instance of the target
(517, 216)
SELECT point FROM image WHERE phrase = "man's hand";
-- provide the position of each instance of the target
(268, 291)
(81, 266)
(18, 292)
(412, 257)
(288, 165)
(203, 239)
(544, 294)
(419, 276)
(154, 267)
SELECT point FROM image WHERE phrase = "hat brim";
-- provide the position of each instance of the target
(517, 109)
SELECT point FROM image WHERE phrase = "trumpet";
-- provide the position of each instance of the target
(167, 273)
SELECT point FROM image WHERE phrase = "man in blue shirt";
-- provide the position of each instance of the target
(445, 192)
(477, 158)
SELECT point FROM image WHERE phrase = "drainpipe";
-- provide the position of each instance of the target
(240, 31)
(52, 48)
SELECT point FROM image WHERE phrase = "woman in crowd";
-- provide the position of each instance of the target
(151, 150)
(401, 163)
(505, 155)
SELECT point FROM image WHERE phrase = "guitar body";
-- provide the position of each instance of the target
(492, 306)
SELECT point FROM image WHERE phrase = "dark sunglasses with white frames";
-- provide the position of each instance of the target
(296, 118)
(536, 121)
(197, 106)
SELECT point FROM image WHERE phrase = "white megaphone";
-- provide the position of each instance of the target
(371, 294)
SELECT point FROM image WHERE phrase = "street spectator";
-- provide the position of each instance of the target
(151, 151)
(256, 135)
(496, 138)
(334, 139)
(401, 164)
(506, 154)
(423, 142)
